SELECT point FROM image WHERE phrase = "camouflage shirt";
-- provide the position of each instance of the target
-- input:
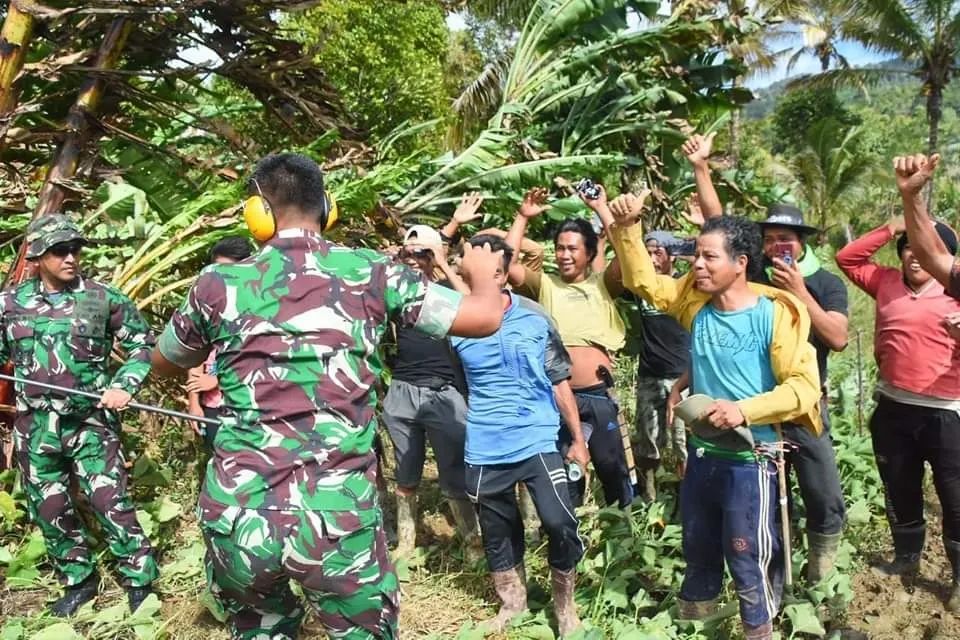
(65, 338)
(296, 328)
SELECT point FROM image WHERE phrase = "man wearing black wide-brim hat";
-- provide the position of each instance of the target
(791, 264)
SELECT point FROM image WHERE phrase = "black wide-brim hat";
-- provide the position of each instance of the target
(789, 216)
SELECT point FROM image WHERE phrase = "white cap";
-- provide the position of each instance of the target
(423, 235)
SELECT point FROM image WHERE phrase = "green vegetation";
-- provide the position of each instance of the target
(406, 116)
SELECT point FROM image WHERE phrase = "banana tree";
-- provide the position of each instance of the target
(583, 94)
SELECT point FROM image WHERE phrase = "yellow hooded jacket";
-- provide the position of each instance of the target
(792, 358)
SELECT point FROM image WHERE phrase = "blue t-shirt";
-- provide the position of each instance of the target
(730, 355)
(512, 413)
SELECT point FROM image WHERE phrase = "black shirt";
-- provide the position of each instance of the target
(828, 290)
(424, 361)
(663, 344)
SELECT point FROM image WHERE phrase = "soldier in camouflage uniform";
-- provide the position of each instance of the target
(290, 491)
(59, 328)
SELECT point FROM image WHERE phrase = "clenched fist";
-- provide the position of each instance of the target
(913, 172)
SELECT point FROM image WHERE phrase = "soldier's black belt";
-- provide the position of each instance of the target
(133, 405)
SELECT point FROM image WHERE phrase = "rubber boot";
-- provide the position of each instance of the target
(822, 555)
(512, 590)
(953, 555)
(406, 524)
(75, 596)
(907, 547)
(647, 469)
(564, 607)
(763, 632)
(465, 517)
(136, 596)
(696, 610)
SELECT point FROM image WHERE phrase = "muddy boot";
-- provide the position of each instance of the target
(696, 610)
(647, 471)
(406, 524)
(763, 632)
(531, 521)
(465, 517)
(512, 591)
(953, 555)
(908, 547)
(564, 607)
(823, 555)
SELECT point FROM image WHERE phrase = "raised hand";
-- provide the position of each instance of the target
(467, 209)
(480, 264)
(598, 205)
(534, 203)
(627, 208)
(697, 148)
(914, 172)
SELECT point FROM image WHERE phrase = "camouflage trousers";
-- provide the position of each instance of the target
(49, 449)
(346, 577)
(653, 434)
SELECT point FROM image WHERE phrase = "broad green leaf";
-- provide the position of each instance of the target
(147, 523)
(58, 631)
(12, 631)
(214, 606)
(8, 508)
(166, 510)
(858, 512)
(147, 610)
(803, 619)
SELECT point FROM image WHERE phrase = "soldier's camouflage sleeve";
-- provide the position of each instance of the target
(416, 302)
(135, 337)
(185, 340)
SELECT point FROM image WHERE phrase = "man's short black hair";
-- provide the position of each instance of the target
(584, 228)
(234, 247)
(289, 179)
(496, 244)
(741, 237)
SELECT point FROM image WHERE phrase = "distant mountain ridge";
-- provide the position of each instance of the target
(767, 97)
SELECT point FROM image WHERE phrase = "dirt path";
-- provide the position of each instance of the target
(891, 608)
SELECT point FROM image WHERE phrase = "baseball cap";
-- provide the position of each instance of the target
(422, 234)
(48, 230)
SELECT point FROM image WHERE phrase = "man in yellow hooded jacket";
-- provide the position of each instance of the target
(749, 353)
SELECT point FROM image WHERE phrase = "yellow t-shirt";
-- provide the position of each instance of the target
(585, 313)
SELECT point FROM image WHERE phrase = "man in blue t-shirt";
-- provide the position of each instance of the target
(518, 383)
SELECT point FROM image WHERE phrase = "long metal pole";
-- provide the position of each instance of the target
(133, 405)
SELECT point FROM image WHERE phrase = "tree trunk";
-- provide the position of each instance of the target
(14, 38)
(64, 164)
(934, 114)
(735, 128)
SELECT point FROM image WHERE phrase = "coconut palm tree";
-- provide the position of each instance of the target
(829, 172)
(821, 25)
(924, 34)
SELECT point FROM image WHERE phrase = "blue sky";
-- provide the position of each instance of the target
(854, 53)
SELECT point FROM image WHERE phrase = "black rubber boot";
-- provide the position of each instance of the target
(75, 596)
(953, 555)
(136, 596)
(908, 547)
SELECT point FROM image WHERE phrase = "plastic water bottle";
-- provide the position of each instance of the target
(574, 472)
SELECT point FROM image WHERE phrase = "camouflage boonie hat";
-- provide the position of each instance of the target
(48, 230)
